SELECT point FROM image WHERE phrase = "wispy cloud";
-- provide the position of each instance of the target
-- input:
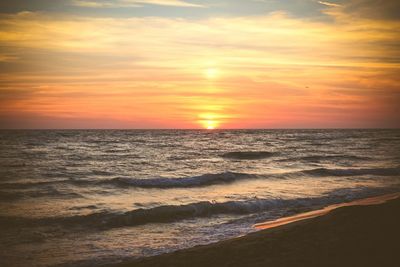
(98, 4)
(131, 3)
(329, 4)
(166, 3)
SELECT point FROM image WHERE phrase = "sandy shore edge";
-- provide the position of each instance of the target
(364, 232)
(316, 213)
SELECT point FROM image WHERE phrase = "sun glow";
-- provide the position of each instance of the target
(210, 124)
(211, 73)
(209, 121)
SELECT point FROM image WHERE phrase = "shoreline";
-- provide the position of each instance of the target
(320, 212)
(343, 234)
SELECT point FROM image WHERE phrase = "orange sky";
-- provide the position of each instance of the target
(86, 68)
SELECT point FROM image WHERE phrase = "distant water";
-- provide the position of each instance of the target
(86, 198)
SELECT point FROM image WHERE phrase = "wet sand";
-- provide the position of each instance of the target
(360, 233)
(316, 213)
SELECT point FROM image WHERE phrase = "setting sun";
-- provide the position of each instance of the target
(210, 121)
(211, 73)
(210, 125)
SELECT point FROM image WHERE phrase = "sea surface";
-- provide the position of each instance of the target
(94, 197)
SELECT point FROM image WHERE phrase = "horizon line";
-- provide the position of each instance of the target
(195, 129)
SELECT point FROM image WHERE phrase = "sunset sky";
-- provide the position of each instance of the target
(199, 64)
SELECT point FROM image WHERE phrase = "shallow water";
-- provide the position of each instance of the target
(92, 197)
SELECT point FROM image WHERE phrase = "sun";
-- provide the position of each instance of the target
(209, 121)
(210, 124)
(211, 73)
(210, 127)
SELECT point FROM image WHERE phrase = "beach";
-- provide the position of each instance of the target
(185, 133)
(101, 197)
(364, 234)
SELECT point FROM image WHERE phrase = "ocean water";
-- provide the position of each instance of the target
(94, 197)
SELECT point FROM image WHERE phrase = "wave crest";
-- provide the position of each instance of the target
(171, 213)
(160, 214)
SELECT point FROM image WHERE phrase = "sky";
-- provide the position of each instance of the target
(199, 64)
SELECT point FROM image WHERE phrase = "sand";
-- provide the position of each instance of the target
(315, 213)
(362, 233)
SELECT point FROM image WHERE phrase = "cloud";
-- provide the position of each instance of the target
(131, 3)
(373, 9)
(177, 3)
(97, 4)
(272, 70)
(328, 4)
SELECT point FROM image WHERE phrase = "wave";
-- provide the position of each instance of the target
(248, 155)
(198, 181)
(160, 214)
(195, 181)
(25, 184)
(318, 158)
(9, 196)
(186, 182)
(171, 213)
(352, 172)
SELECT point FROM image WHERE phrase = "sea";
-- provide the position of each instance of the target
(98, 197)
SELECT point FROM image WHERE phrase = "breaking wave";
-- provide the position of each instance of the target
(190, 182)
(162, 214)
(172, 213)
